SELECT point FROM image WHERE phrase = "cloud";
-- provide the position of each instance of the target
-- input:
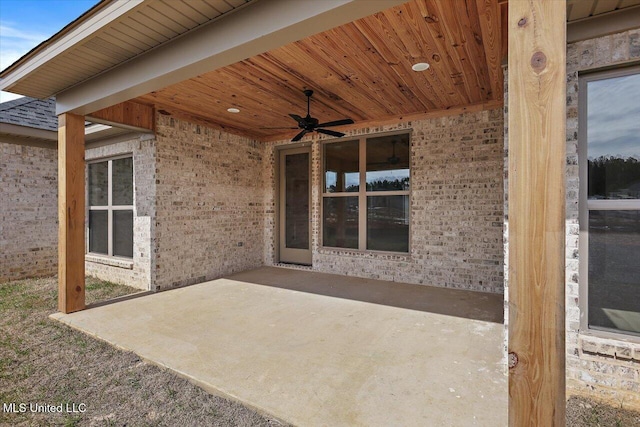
(14, 43)
(613, 112)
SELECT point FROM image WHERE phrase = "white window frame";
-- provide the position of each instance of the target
(585, 205)
(109, 207)
(362, 193)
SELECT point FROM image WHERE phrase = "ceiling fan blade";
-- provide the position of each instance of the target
(297, 118)
(299, 136)
(330, 132)
(336, 123)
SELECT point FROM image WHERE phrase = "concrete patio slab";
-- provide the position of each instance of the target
(323, 350)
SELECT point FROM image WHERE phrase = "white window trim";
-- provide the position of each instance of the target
(109, 207)
(585, 205)
(362, 194)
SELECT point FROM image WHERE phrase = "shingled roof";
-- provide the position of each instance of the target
(30, 112)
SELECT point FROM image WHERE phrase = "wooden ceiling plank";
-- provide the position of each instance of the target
(339, 43)
(194, 115)
(398, 77)
(321, 79)
(476, 49)
(489, 16)
(237, 84)
(282, 98)
(324, 71)
(297, 81)
(438, 71)
(448, 64)
(449, 27)
(442, 33)
(433, 80)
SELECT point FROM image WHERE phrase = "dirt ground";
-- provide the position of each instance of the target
(44, 362)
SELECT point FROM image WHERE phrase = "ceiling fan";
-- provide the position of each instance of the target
(311, 124)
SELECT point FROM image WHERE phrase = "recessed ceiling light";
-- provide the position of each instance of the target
(233, 110)
(420, 66)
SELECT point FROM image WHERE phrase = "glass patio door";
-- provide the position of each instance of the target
(294, 203)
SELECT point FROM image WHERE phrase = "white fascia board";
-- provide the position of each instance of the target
(28, 132)
(257, 28)
(101, 19)
(605, 24)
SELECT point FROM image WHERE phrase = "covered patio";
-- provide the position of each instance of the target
(210, 88)
(319, 349)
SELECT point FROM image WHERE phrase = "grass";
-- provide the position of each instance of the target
(45, 362)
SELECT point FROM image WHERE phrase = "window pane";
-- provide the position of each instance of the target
(296, 178)
(341, 167)
(123, 233)
(388, 163)
(613, 134)
(122, 170)
(98, 184)
(614, 270)
(388, 223)
(340, 222)
(98, 232)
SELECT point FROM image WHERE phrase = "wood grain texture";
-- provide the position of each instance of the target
(128, 113)
(537, 90)
(71, 213)
(361, 70)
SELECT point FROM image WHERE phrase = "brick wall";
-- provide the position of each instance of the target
(28, 212)
(456, 207)
(210, 198)
(603, 367)
(138, 272)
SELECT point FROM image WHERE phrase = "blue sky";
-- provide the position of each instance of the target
(26, 23)
(614, 117)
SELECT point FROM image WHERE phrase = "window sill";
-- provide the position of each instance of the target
(610, 345)
(391, 256)
(110, 261)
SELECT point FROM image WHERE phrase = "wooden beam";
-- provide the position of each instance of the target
(71, 208)
(128, 114)
(537, 92)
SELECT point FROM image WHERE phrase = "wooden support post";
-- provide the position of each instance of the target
(71, 209)
(537, 116)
